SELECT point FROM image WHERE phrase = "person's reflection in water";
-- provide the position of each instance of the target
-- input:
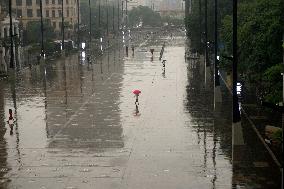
(164, 73)
(137, 112)
(11, 121)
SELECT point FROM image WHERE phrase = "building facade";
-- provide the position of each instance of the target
(29, 10)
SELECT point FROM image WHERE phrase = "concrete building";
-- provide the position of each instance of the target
(5, 41)
(29, 10)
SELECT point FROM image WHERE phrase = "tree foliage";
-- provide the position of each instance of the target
(145, 15)
(260, 28)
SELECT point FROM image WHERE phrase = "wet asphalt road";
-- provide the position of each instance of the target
(77, 125)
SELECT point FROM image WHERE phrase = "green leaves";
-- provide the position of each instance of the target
(145, 15)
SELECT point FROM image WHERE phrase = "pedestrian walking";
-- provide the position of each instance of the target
(132, 47)
(126, 50)
(136, 93)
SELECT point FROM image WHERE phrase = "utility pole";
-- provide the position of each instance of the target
(99, 14)
(107, 17)
(200, 26)
(90, 20)
(217, 82)
(113, 19)
(41, 29)
(62, 24)
(236, 112)
(126, 13)
(118, 16)
(217, 88)
(11, 36)
(122, 14)
(206, 36)
(78, 23)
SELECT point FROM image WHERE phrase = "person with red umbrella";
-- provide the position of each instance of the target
(136, 92)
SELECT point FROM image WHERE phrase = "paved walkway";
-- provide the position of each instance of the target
(77, 126)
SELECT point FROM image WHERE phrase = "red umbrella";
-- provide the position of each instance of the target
(137, 92)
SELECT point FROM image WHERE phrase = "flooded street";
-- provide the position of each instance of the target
(77, 125)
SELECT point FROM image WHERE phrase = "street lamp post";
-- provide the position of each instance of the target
(62, 24)
(107, 18)
(217, 89)
(99, 14)
(236, 112)
(41, 29)
(237, 133)
(11, 36)
(90, 17)
(118, 15)
(78, 23)
(113, 28)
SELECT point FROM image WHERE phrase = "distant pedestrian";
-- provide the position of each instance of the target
(132, 47)
(126, 49)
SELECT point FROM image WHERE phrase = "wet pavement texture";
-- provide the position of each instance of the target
(77, 125)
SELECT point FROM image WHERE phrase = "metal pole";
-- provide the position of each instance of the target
(11, 36)
(62, 24)
(217, 82)
(99, 14)
(126, 13)
(41, 29)
(206, 36)
(200, 26)
(118, 15)
(113, 18)
(122, 14)
(236, 112)
(78, 22)
(90, 17)
(107, 17)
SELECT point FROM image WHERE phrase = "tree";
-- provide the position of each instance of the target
(145, 15)
(32, 34)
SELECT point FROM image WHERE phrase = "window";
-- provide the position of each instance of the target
(46, 2)
(29, 2)
(19, 2)
(38, 13)
(67, 12)
(37, 2)
(59, 2)
(30, 12)
(53, 13)
(67, 2)
(47, 13)
(59, 13)
(60, 24)
(19, 13)
(54, 24)
(53, 2)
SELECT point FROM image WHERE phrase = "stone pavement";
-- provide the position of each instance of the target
(77, 125)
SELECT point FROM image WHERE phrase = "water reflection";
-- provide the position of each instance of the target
(212, 130)
(88, 117)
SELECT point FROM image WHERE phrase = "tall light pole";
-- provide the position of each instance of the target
(126, 13)
(99, 14)
(78, 22)
(90, 20)
(107, 17)
(237, 132)
(118, 15)
(62, 24)
(11, 36)
(41, 29)
(217, 89)
(236, 112)
(113, 18)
